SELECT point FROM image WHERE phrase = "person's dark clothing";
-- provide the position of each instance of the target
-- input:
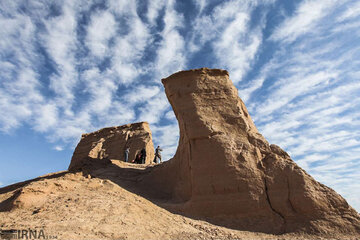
(138, 158)
(157, 155)
(158, 151)
(143, 155)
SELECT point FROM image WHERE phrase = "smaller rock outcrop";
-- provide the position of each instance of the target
(110, 143)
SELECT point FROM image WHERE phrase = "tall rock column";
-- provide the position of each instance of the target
(224, 170)
(222, 163)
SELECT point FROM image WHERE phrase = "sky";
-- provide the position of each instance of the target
(71, 67)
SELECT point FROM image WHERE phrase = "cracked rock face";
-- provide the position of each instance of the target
(110, 143)
(225, 171)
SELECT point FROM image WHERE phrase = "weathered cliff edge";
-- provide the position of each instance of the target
(110, 143)
(225, 171)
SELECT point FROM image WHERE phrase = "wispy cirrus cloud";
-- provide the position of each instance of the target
(100, 92)
(20, 87)
(153, 10)
(26, 97)
(101, 29)
(129, 47)
(46, 116)
(234, 41)
(352, 11)
(81, 87)
(170, 55)
(304, 20)
(60, 42)
(169, 58)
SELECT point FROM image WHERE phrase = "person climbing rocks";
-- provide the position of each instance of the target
(157, 155)
(143, 155)
(126, 153)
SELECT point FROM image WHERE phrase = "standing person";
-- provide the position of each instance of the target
(143, 155)
(137, 159)
(157, 154)
(126, 153)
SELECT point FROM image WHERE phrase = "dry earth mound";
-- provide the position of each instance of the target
(73, 206)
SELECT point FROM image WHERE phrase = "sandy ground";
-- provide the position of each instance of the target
(73, 206)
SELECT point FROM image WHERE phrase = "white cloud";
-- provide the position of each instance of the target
(19, 91)
(354, 26)
(170, 54)
(247, 89)
(290, 88)
(200, 4)
(121, 7)
(119, 114)
(170, 115)
(245, 93)
(352, 11)
(100, 89)
(101, 29)
(141, 93)
(319, 113)
(61, 43)
(61, 113)
(306, 161)
(153, 10)
(237, 46)
(305, 19)
(154, 109)
(15, 113)
(234, 42)
(129, 48)
(308, 94)
(46, 117)
(58, 148)
(170, 57)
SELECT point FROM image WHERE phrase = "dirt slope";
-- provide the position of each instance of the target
(73, 206)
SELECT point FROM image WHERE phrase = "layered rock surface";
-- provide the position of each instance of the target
(110, 143)
(225, 171)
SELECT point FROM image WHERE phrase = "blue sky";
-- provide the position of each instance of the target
(70, 67)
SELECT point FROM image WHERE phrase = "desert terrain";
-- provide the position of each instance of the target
(224, 182)
(74, 206)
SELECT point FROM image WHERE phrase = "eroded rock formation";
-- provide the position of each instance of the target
(110, 143)
(225, 171)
